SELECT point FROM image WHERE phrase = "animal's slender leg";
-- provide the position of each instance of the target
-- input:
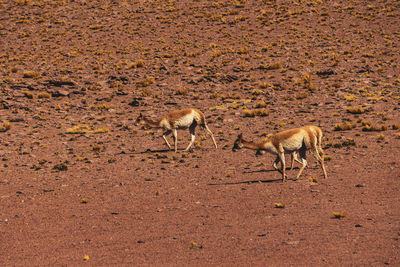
(175, 134)
(320, 159)
(302, 152)
(318, 153)
(211, 134)
(165, 138)
(192, 129)
(276, 162)
(294, 158)
(281, 156)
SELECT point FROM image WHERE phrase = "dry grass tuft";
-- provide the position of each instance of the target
(31, 74)
(195, 245)
(261, 104)
(355, 110)
(313, 179)
(22, 2)
(263, 85)
(374, 128)
(381, 137)
(255, 112)
(63, 166)
(28, 94)
(137, 64)
(44, 95)
(257, 92)
(6, 126)
(346, 143)
(339, 215)
(145, 82)
(344, 126)
(279, 205)
(395, 126)
(83, 128)
(181, 91)
(306, 79)
(364, 122)
(301, 95)
(350, 97)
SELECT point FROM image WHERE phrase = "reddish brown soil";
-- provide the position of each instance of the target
(103, 199)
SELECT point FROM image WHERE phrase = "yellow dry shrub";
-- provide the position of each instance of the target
(355, 110)
(255, 112)
(84, 128)
(301, 95)
(344, 126)
(31, 74)
(350, 97)
(339, 214)
(22, 2)
(263, 85)
(313, 179)
(374, 128)
(364, 122)
(137, 64)
(8, 80)
(145, 82)
(261, 104)
(181, 91)
(306, 79)
(44, 95)
(257, 92)
(5, 127)
(28, 94)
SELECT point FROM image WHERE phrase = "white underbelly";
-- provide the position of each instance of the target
(184, 122)
(293, 144)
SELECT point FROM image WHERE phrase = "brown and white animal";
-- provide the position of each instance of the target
(178, 119)
(297, 140)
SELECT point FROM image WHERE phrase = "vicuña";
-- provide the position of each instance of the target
(292, 141)
(178, 119)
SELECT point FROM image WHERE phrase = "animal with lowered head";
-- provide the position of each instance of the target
(178, 119)
(292, 141)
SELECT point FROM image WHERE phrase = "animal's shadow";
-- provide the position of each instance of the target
(266, 181)
(155, 151)
(249, 182)
(273, 170)
(146, 151)
(279, 180)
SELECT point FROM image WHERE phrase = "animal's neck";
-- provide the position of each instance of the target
(252, 145)
(269, 147)
(266, 146)
(152, 123)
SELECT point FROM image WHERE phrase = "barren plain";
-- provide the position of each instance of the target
(80, 184)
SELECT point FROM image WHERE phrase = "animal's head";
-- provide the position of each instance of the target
(140, 120)
(238, 143)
